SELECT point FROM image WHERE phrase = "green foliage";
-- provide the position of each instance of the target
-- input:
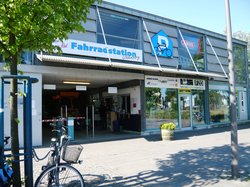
(152, 97)
(21, 93)
(17, 120)
(34, 25)
(168, 126)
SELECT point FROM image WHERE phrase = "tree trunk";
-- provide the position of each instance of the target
(14, 119)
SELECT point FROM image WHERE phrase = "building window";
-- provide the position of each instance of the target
(219, 106)
(195, 44)
(198, 107)
(161, 106)
(26, 57)
(119, 30)
(239, 64)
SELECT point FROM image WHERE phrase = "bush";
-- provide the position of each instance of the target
(168, 126)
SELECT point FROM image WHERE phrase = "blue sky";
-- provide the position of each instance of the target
(207, 14)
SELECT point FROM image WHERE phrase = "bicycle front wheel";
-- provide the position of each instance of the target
(60, 176)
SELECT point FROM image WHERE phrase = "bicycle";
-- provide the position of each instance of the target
(56, 173)
(162, 50)
(6, 172)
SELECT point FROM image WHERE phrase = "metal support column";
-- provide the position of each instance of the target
(143, 106)
(92, 110)
(27, 124)
(87, 121)
(26, 82)
(206, 104)
(1, 123)
(93, 121)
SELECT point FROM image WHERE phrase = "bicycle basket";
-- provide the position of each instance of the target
(71, 154)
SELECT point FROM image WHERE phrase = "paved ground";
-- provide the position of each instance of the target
(198, 158)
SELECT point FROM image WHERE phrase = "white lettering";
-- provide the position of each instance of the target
(99, 50)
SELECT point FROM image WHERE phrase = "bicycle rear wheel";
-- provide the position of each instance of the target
(60, 176)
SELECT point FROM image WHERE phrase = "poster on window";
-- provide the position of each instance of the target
(195, 44)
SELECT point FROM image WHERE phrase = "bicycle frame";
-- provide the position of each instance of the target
(56, 153)
(54, 167)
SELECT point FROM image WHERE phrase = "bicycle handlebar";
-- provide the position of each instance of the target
(59, 128)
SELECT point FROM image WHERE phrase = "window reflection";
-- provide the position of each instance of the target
(161, 106)
(219, 106)
(198, 107)
(240, 65)
(195, 44)
(119, 41)
(119, 30)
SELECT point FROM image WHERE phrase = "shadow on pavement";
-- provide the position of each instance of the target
(201, 167)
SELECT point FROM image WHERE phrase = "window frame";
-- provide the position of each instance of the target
(198, 35)
(138, 40)
(245, 64)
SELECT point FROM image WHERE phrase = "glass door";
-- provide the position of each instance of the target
(185, 111)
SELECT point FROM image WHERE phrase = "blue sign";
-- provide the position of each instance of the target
(163, 46)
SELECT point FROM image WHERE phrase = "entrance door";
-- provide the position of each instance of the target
(185, 111)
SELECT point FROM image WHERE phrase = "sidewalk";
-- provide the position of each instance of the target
(197, 158)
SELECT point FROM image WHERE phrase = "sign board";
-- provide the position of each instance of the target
(196, 84)
(77, 47)
(163, 46)
(112, 90)
(81, 88)
(173, 82)
(49, 87)
(161, 82)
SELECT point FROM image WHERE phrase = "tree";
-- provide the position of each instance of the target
(33, 25)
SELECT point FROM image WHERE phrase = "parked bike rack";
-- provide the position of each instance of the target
(26, 83)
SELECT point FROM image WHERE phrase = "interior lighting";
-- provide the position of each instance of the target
(76, 82)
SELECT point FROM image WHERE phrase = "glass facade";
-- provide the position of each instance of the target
(161, 106)
(198, 100)
(173, 105)
(219, 106)
(119, 30)
(195, 44)
(239, 64)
